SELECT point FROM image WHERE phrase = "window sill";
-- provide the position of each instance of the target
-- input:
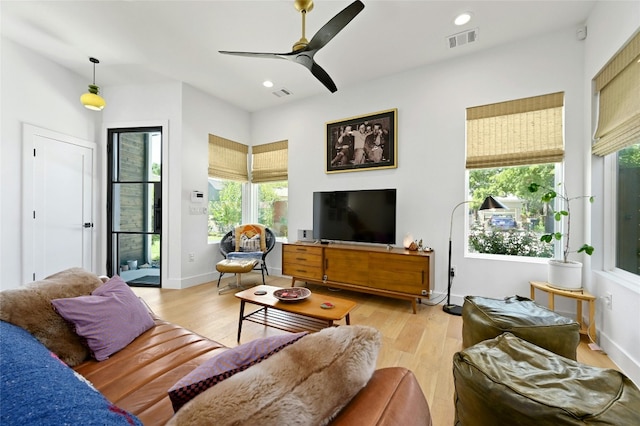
(624, 279)
(507, 258)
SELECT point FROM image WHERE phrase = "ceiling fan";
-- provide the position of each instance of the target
(304, 50)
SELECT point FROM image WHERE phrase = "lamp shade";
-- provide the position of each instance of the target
(491, 203)
(92, 100)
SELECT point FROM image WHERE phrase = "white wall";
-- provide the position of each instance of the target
(203, 114)
(191, 116)
(610, 26)
(430, 177)
(144, 106)
(39, 92)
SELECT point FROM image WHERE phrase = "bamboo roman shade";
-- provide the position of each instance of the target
(515, 133)
(270, 162)
(227, 159)
(619, 103)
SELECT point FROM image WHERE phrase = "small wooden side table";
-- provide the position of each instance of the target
(580, 296)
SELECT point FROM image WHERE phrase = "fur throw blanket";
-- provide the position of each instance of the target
(30, 307)
(306, 383)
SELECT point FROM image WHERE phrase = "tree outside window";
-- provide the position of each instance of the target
(273, 206)
(225, 207)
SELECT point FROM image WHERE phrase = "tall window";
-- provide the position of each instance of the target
(269, 173)
(273, 199)
(227, 174)
(515, 231)
(225, 207)
(509, 146)
(617, 136)
(627, 207)
(235, 197)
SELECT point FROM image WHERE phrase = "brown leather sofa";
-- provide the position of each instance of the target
(137, 379)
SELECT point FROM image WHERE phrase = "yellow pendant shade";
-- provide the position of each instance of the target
(92, 100)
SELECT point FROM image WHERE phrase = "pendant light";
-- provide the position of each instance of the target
(92, 100)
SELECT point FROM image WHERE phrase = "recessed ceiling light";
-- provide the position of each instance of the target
(267, 83)
(463, 18)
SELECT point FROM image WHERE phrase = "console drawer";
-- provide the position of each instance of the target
(302, 261)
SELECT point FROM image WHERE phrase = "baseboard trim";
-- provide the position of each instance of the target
(621, 358)
(205, 278)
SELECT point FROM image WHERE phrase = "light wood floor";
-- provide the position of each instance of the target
(424, 342)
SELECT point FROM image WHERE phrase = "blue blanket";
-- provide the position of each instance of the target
(256, 255)
(37, 388)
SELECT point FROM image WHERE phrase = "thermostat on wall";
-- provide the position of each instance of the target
(197, 197)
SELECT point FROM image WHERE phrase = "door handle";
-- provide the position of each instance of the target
(87, 225)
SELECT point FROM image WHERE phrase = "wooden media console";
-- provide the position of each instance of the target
(391, 272)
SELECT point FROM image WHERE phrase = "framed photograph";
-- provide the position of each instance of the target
(362, 143)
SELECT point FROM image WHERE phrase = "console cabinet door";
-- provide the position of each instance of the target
(398, 272)
(346, 266)
(302, 261)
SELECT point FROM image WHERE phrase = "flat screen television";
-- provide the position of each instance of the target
(364, 216)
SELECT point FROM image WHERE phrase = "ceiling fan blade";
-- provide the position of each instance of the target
(254, 54)
(324, 78)
(335, 25)
(304, 56)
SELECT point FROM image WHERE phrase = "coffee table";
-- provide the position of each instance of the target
(293, 316)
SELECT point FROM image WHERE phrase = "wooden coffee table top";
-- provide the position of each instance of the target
(309, 307)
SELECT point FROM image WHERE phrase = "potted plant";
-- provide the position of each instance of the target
(563, 272)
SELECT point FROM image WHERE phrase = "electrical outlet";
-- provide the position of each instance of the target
(452, 272)
(608, 300)
(424, 292)
(192, 257)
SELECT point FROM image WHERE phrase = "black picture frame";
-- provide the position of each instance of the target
(364, 142)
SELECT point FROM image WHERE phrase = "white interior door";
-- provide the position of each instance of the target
(58, 200)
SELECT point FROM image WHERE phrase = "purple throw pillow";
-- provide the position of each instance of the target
(227, 364)
(109, 319)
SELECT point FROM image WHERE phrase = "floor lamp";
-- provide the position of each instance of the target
(488, 204)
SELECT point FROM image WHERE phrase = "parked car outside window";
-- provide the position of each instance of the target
(504, 222)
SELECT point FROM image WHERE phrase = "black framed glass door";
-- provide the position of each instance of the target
(134, 206)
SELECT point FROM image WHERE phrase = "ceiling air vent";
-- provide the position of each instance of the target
(462, 38)
(282, 92)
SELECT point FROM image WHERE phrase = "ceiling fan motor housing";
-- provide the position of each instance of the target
(303, 5)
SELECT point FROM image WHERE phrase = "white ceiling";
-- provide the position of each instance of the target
(156, 41)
